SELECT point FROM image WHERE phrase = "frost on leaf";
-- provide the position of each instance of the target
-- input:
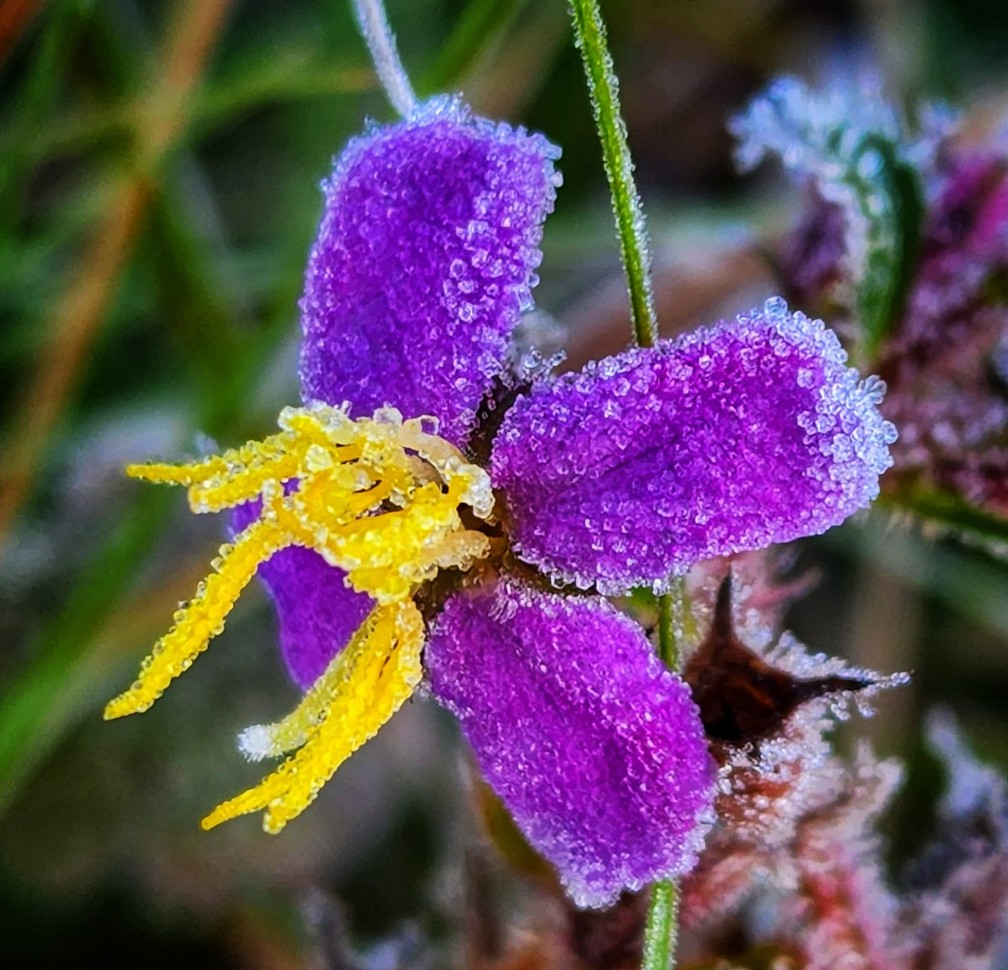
(857, 151)
(944, 359)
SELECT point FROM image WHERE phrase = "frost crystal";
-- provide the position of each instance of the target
(855, 147)
(727, 439)
(594, 746)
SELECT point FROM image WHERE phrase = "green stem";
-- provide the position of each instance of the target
(668, 649)
(590, 37)
(660, 928)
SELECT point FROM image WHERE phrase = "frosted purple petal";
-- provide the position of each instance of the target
(317, 611)
(593, 745)
(424, 260)
(731, 438)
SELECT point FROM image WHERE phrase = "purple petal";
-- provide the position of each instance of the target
(728, 439)
(424, 260)
(594, 746)
(317, 611)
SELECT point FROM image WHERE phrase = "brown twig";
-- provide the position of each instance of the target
(15, 16)
(79, 313)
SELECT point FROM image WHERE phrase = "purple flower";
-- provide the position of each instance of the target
(750, 432)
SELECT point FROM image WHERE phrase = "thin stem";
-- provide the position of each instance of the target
(377, 34)
(668, 649)
(660, 930)
(590, 37)
(661, 927)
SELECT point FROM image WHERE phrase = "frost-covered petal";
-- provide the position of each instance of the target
(728, 439)
(424, 260)
(594, 746)
(316, 610)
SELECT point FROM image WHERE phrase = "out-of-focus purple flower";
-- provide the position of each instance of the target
(747, 433)
(944, 360)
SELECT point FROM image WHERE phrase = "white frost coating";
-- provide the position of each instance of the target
(842, 399)
(256, 743)
(971, 785)
(833, 134)
(813, 131)
(823, 133)
(377, 34)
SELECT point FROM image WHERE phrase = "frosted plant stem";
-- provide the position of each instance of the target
(670, 607)
(377, 34)
(661, 926)
(660, 930)
(590, 37)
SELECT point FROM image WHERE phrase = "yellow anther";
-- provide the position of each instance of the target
(361, 689)
(377, 497)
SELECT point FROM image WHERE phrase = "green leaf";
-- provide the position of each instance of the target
(858, 149)
(480, 26)
(890, 205)
(951, 514)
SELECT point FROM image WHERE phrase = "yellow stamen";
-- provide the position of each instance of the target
(379, 498)
(368, 682)
(260, 741)
(202, 618)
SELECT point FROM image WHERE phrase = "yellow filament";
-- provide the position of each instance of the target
(250, 454)
(369, 682)
(272, 740)
(200, 619)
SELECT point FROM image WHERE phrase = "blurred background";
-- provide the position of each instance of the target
(159, 172)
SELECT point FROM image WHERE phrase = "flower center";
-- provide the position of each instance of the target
(377, 497)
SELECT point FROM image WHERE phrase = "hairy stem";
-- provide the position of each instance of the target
(660, 928)
(590, 37)
(378, 36)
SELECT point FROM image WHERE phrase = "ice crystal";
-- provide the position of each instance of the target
(941, 358)
(855, 147)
